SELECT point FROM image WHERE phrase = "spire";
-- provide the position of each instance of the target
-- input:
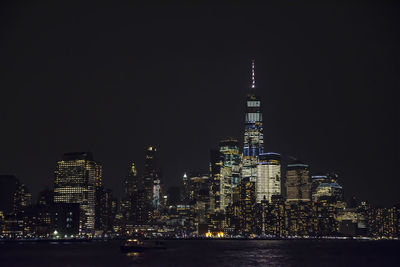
(253, 75)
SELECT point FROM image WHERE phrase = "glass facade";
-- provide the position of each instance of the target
(298, 182)
(268, 181)
(253, 144)
(229, 147)
(230, 170)
(328, 190)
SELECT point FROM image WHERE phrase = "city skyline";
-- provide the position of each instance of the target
(309, 114)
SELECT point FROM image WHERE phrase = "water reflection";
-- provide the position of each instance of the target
(133, 254)
(134, 258)
(206, 253)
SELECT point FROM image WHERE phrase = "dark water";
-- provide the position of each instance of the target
(207, 253)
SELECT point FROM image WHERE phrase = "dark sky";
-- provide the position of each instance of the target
(113, 79)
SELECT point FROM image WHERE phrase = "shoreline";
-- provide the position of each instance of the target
(197, 239)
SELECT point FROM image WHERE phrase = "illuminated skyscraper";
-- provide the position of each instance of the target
(131, 181)
(229, 147)
(152, 181)
(217, 186)
(326, 186)
(185, 193)
(253, 144)
(332, 191)
(76, 177)
(247, 203)
(268, 181)
(316, 180)
(100, 204)
(298, 182)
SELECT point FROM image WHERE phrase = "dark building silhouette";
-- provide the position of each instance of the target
(174, 196)
(14, 196)
(138, 197)
(8, 187)
(152, 180)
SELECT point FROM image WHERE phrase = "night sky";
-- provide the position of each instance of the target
(114, 79)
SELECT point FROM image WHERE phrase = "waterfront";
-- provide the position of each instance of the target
(206, 253)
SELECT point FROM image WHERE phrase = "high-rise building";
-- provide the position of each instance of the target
(268, 181)
(137, 197)
(14, 196)
(22, 198)
(326, 186)
(185, 191)
(131, 181)
(316, 180)
(103, 216)
(199, 200)
(75, 181)
(247, 204)
(152, 179)
(332, 191)
(8, 187)
(220, 186)
(298, 218)
(298, 182)
(253, 144)
(101, 202)
(229, 147)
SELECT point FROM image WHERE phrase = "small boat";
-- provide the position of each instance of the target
(136, 245)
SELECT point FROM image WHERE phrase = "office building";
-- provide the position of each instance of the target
(220, 186)
(298, 182)
(253, 144)
(268, 181)
(229, 147)
(75, 181)
(247, 201)
(152, 180)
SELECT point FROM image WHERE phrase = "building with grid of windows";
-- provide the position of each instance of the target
(76, 177)
(298, 182)
(253, 144)
(268, 181)
(218, 186)
(229, 147)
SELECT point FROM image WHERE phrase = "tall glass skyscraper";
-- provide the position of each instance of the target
(268, 181)
(229, 147)
(76, 177)
(253, 144)
(298, 182)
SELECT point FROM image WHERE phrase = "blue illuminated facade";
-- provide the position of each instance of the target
(253, 144)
